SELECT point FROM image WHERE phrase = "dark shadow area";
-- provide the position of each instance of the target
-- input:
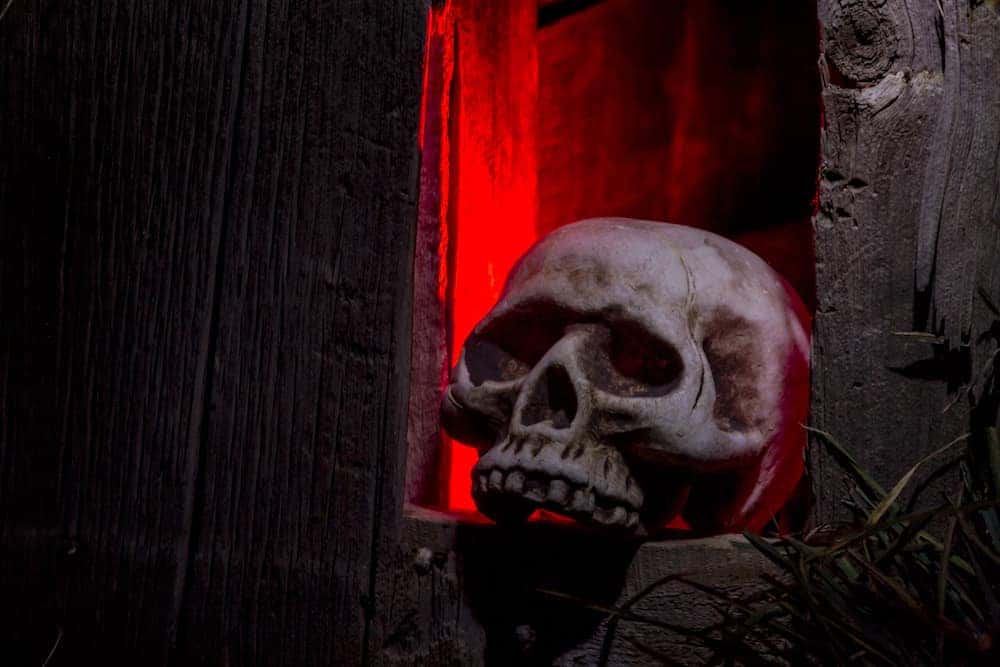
(508, 571)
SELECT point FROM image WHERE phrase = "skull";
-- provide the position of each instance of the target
(633, 371)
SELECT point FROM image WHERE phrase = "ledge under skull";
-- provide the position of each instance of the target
(631, 372)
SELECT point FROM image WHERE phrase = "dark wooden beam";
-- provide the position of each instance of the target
(207, 215)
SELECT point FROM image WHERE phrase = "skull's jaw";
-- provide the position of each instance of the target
(588, 483)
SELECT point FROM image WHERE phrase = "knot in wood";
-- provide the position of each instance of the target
(423, 559)
(861, 39)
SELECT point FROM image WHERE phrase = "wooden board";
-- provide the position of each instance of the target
(207, 215)
(907, 229)
(472, 594)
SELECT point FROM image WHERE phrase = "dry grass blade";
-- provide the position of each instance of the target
(917, 611)
(881, 589)
(984, 295)
(897, 490)
(910, 532)
(848, 463)
(59, 635)
(612, 628)
(836, 628)
(828, 627)
(985, 586)
(614, 611)
(939, 472)
(755, 617)
(945, 511)
(993, 455)
(700, 636)
(942, 585)
(766, 548)
(978, 545)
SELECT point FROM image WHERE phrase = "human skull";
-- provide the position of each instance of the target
(633, 371)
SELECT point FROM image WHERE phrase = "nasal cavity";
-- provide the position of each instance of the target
(552, 399)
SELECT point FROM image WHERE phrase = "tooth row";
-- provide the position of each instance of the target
(536, 456)
(558, 493)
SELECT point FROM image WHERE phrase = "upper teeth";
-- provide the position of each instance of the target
(593, 466)
(561, 495)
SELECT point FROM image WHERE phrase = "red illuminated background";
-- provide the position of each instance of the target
(538, 113)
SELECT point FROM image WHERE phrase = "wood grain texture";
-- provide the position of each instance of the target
(906, 227)
(429, 352)
(207, 214)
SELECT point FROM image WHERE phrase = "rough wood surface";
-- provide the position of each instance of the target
(472, 594)
(907, 235)
(207, 214)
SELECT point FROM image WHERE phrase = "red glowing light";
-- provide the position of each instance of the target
(631, 107)
(485, 121)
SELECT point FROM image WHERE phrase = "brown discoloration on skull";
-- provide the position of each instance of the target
(729, 345)
(487, 360)
(625, 361)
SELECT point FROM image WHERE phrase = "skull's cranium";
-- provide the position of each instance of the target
(631, 371)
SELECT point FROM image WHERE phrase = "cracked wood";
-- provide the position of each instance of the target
(904, 228)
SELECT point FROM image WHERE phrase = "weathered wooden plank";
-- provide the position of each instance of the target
(906, 226)
(207, 216)
(302, 470)
(116, 157)
(472, 594)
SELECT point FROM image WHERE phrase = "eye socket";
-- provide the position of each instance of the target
(511, 345)
(634, 362)
(486, 360)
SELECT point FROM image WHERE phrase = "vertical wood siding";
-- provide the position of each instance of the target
(207, 214)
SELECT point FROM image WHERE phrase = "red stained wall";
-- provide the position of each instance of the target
(699, 112)
(478, 206)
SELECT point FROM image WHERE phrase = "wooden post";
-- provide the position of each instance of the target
(907, 236)
(206, 228)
